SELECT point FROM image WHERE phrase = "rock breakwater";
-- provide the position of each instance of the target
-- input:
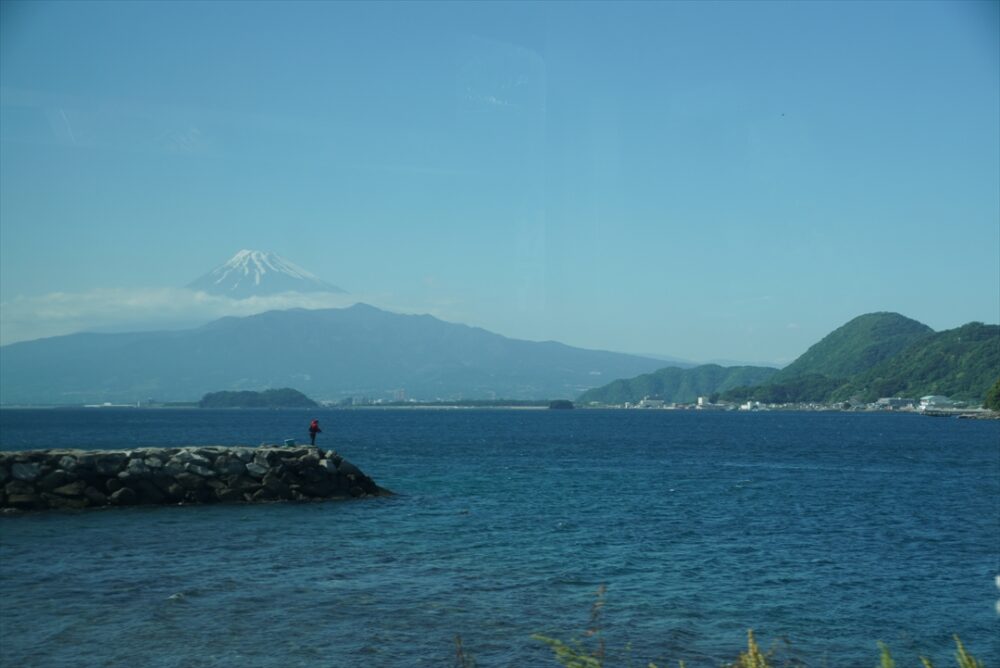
(69, 479)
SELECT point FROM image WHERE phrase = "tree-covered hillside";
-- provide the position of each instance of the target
(286, 397)
(857, 346)
(959, 363)
(812, 387)
(992, 400)
(677, 385)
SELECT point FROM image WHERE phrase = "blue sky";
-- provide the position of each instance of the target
(701, 180)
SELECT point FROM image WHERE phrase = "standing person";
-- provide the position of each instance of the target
(313, 430)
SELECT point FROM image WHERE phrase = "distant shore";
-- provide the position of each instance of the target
(973, 413)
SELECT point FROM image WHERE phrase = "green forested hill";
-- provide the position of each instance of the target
(857, 346)
(810, 387)
(874, 355)
(993, 397)
(673, 384)
(286, 397)
(960, 363)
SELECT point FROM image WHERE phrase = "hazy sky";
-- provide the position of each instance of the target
(702, 180)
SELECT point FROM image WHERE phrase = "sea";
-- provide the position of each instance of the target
(644, 535)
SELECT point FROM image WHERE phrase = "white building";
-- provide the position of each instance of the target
(935, 401)
(894, 403)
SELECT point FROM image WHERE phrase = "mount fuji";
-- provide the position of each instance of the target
(252, 273)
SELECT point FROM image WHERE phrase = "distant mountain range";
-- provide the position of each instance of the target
(328, 354)
(874, 355)
(252, 273)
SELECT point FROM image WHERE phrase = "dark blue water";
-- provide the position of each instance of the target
(830, 531)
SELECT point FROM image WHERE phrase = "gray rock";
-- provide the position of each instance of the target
(322, 489)
(215, 484)
(18, 488)
(257, 470)
(274, 483)
(242, 484)
(147, 492)
(200, 495)
(347, 468)
(172, 468)
(314, 474)
(188, 457)
(64, 502)
(123, 497)
(209, 453)
(197, 469)
(25, 501)
(110, 463)
(57, 478)
(228, 495)
(72, 489)
(26, 471)
(76, 478)
(137, 468)
(190, 480)
(95, 497)
(175, 492)
(263, 494)
(229, 466)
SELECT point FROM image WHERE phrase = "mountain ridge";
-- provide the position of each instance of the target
(872, 355)
(326, 353)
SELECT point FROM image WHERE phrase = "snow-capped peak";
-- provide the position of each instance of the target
(250, 273)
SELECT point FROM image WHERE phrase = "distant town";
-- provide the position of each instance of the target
(932, 405)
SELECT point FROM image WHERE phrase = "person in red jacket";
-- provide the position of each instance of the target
(313, 430)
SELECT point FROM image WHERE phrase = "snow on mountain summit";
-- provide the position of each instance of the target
(252, 273)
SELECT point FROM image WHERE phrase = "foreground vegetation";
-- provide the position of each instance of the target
(591, 652)
(575, 656)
